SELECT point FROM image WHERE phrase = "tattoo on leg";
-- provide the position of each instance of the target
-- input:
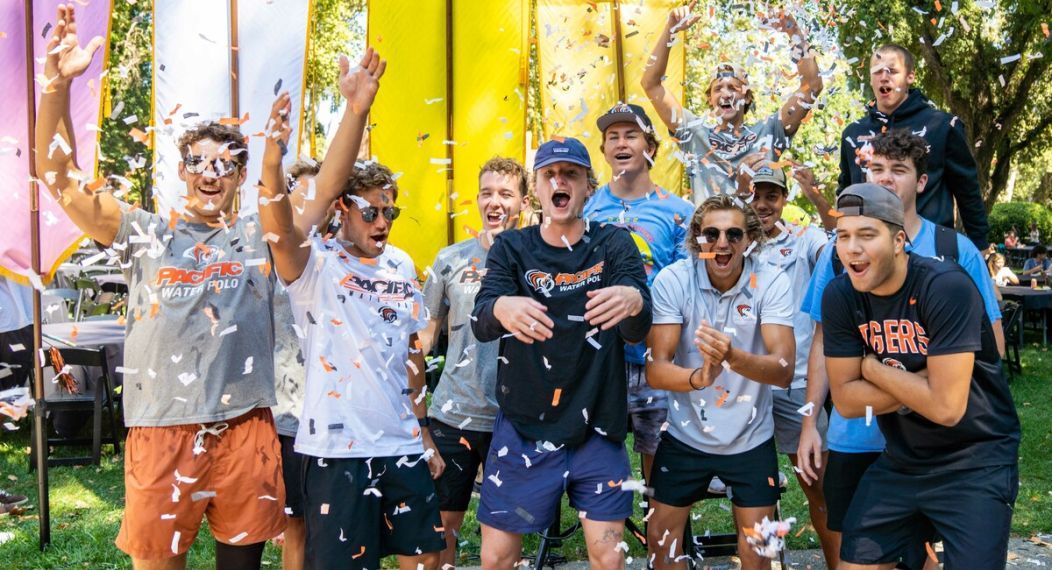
(609, 536)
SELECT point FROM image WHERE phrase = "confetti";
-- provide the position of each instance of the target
(869, 415)
(558, 393)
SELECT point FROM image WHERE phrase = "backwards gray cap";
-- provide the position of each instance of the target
(871, 200)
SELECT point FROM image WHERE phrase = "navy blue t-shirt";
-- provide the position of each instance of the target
(937, 311)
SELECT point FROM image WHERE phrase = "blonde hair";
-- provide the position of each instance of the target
(753, 227)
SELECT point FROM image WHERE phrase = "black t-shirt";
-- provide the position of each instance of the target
(562, 389)
(937, 311)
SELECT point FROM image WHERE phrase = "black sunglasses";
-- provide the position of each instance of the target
(712, 235)
(220, 166)
(369, 214)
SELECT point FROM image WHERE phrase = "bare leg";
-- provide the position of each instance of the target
(648, 465)
(602, 538)
(500, 549)
(816, 505)
(746, 517)
(850, 566)
(176, 563)
(295, 544)
(664, 530)
(451, 521)
(428, 561)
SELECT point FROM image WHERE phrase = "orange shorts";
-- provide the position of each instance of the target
(234, 479)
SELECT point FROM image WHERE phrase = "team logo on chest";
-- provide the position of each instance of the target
(786, 251)
(388, 314)
(744, 311)
(540, 281)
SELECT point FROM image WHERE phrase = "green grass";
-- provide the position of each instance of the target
(86, 502)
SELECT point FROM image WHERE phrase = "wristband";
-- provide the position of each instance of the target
(424, 422)
(690, 379)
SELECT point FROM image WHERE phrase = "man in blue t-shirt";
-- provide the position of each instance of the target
(898, 159)
(656, 220)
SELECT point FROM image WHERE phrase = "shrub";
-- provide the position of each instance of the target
(1019, 214)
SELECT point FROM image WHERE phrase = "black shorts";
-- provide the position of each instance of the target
(682, 474)
(463, 451)
(292, 465)
(360, 510)
(970, 509)
(843, 472)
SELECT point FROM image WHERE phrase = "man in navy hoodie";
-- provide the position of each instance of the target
(951, 166)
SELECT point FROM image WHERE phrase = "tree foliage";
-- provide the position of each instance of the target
(986, 61)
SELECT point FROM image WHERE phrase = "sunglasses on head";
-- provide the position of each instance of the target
(221, 167)
(712, 235)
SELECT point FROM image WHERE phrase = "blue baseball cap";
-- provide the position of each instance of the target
(566, 149)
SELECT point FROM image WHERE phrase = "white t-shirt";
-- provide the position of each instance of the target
(794, 252)
(1003, 276)
(356, 316)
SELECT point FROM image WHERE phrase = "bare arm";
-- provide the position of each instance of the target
(666, 105)
(662, 373)
(428, 335)
(55, 148)
(775, 367)
(941, 396)
(358, 86)
(415, 368)
(809, 452)
(806, 178)
(797, 106)
(852, 393)
(275, 212)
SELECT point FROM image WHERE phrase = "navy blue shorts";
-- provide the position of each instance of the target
(525, 480)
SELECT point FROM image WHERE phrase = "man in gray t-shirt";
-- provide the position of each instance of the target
(722, 337)
(198, 368)
(464, 405)
(714, 145)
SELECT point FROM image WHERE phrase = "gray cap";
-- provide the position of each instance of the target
(769, 175)
(871, 200)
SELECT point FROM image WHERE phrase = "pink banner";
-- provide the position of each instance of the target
(58, 236)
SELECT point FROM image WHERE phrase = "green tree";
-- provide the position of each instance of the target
(984, 61)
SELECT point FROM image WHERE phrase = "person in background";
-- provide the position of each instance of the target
(1035, 234)
(1040, 263)
(999, 272)
(16, 353)
(1011, 240)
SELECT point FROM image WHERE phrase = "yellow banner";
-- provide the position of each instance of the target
(489, 96)
(410, 118)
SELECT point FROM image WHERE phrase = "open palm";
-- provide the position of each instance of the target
(66, 58)
(359, 85)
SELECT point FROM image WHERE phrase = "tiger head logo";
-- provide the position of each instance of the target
(203, 254)
(893, 363)
(388, 314)
(541, 281)
(786, 251)
(744, 311)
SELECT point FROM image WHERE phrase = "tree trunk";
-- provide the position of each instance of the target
(1001, 170)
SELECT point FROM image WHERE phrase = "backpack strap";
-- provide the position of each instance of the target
(946, 243)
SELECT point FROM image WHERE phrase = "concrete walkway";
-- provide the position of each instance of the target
(1023, 554)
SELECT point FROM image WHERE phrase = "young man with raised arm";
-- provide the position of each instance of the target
(722, 337)
(907, 340)
(199, 375)
(368, 490)
(657, 220)
(464, 404)
(716, 146)
(562, 297)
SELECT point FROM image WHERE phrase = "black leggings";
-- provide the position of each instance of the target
(246, 557)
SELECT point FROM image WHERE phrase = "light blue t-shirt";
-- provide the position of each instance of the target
(854, 436)
(1032, 263)
(657, 222)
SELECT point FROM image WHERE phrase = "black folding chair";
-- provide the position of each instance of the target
(1011, 322)
(95, 395)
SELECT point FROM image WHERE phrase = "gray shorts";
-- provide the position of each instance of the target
(788, 421)
(647, 408)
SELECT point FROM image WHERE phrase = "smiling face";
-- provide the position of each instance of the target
(768, 201)
(500, 200)
(889, 79)
(366, 239)
(868, 250)
(726, 266)
(562, 189)
(898, 175)
(212, 190)
(626, 149)
(729, 96)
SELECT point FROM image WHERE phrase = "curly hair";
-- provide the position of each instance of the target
(753, 227)
(902, 144)
(304, 168)
(226, 135)
(507, 167)
(370, 175)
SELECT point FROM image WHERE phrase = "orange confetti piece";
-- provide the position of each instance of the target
(934, 22)
(333, 394)
(416, 311)
(938, 6)
(465, 442)
(770, 481)
(362, 551)
(325, 364)
(337, 322)
(96, 184)
(266, 268)
(416, 432)
(439, 528)
(555, 397)
(613, 484)
(913, 301)
(471, 231)
(931, 552)
(707, 255)
(73, 333)
(1044, 29)
(834, 213)
(368, 261)
(722, 399)
(230, 121)
(139, 135)
(752, 281)
(154, 309)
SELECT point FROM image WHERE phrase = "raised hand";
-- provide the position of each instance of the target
(359, 85)
(525, 318)
(714, 345)
(66, 59)
(682, 18)
(278, 130)
(784, 22)
(609, 306)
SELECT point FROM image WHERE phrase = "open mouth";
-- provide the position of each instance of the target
(623, 156)
(885, 90)
(723, 260)
(858, 268)
(495, 217)
(209, 191)
(560, 199)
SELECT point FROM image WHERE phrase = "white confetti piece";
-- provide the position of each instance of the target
(495, 478)
(502, 451)
(807, 409)
(869, 415)
(167, 517)
(324, 508)
(187, 377)
(175, 542)
(248, 366)
(236, 539)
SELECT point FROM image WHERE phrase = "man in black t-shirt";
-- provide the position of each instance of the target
(907, 340)
(563, 298)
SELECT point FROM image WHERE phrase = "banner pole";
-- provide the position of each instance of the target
(619, 52)
(449, 124)
(39, 424)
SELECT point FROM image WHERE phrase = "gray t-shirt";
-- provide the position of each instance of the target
(714, 150)
(733, 415)
(289, 371)
(200, 337)
(466, 394)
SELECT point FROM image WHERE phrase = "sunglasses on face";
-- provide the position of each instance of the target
(712, 235)
(369, 214)
(221, 167)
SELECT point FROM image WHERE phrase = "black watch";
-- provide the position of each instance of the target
(424, 421)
